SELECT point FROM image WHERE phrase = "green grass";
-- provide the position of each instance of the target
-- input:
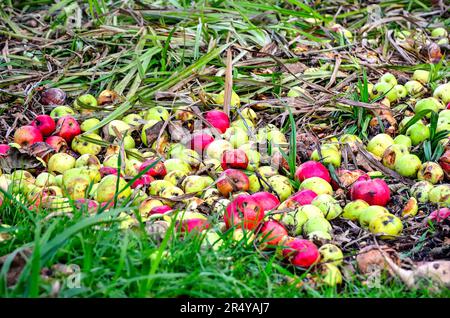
(119, 263)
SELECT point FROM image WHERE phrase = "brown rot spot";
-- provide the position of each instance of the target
(436, 265)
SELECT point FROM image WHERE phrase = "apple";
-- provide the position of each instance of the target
(146, 207)
(442, 92)
(106, 189)
(440, 194)
(45, 179)
(60, 162)
(67, 127)
(86, 147)
(218, 119)
(132, 120)
(429, 103)
(353, 209)
(195, 184)
(418, 133)
(157, 186)
(439, 33)
(386, 89)
(236, 159)
(200, 141)
(317, 224)
(26, 136)
(143, 181)
(158, 169)
(401, 91)
(420, 191)
(45, 124)
(266, 200)
(430, 171)
(176, 164)
(299, 252)
(328, 205)
(378, 144)
(282, 186)
(4, 148)
(439, 215)
(370, 213)
(373, 191)
(76, 183)
(169, 193)
(53, 96)
(272, 233)
(312, 169)
(220, 99)
(56, 142)
(158, 113)
(297, 218)
(408, 165)
(392, 154)
(189, 156)
(61, 111)
(415, 88)
(216, 149)
(330, 155)
(175, 176)
(387, 226)
(317, 185)
(403, 140)
(86, 102)
(232, 180)
(194, 225)
(331, 254)
(330, 275)
(244, 212)
(236, 136)
(421, 76)
(184, 113)
(411, 208)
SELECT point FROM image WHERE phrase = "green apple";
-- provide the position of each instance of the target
(440, 194)
(88, 124)
(421, 76)
(60, 162)
(383, 88)
(219, 99)
(401, 91)
(411, 207)
(353, 209)
(428, 103)
(85, 147)
(177, 164)
(215, 149)
(387, 226)
(442, 92)
(379, 143)
(84, 101)
(60, 111)
(319, 224)
(106, 189)
(415, 88)
(328, 205)
(189, 156)
(132, 119)
(430, 171)
(439, 33)
(370, 213)
(392, 154)
(195, 184)
(157, 113)
(330, 275)
(282, 186)
(45, 179)
(157, 186)
(418, 133)
(236, 136)
(331, 254)
(175, 177)
(318, 185)
(420, 191)
(388, 78)
(330, 155)
(408, 165)
(118, 125)
(403, 140)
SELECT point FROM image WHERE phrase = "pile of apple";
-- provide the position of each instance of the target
(232, 167)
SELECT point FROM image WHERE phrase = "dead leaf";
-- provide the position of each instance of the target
(152, 133)
(19, 159)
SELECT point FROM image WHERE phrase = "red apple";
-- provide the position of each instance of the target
(53, 96)
(57, 143)
(162, 209)
(444, 162)
(196, 225)
(303, 197)
(45, 124)
(373, 191)
(4, 149)
(235, 158)
(218, 120)
(439, 215)
(232, 180)
(27, 135)
(301, 252)
(273, 233)
(266, 200)
(143, 180)
(104, 171)
(67, 127)
(158, 169)
(243, 211)
(311, 169)
(200, 141)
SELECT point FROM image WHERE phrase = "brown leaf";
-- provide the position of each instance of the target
(19, 159)
(152, 133)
